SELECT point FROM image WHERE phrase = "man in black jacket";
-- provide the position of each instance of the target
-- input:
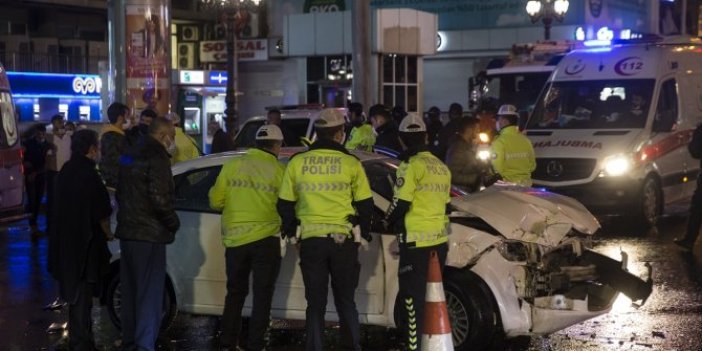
(78, 255)
(146, 222)
(694, 220)
(113, 143)
(385, 126)
(140, 130)
(450, 129)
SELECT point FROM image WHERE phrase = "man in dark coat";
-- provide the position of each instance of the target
(140, 130)
(113, 142)
(78, 255)
(385, 127)
(146, 222)
(461, 157)
(450, 129)
(434, 126)
(36, 150)
(223, 141)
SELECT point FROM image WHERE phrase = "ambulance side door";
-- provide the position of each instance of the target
(670, 154)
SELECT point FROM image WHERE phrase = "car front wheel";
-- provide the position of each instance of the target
(472, 311)
(114, 303)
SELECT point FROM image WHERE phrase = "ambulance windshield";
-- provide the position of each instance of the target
(595, 104)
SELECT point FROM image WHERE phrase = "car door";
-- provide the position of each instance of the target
(196, 257)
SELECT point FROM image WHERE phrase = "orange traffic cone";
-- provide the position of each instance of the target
(436, 333)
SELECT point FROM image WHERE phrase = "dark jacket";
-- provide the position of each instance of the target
(695, 145)
(446, 136)
(77, 244)
(135, 133)
(146, 194)
(35, 156)
(433, 130)
(112, 146)
(389, 136)
(466, 169)
(221, 142)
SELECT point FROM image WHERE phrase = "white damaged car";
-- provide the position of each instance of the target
(519, 261)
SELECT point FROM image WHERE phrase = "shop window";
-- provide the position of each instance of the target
(329, 80)
(399, 85)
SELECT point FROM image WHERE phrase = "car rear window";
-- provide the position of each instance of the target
(8, 127)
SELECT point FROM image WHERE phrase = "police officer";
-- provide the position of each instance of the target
(362, 136)
(418, 215)
(512, 153)
(246, 191)
(326, 192)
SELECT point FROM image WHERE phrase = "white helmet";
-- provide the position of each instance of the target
(412, 124)
(269, 132)
(508, 110)
(329, 117)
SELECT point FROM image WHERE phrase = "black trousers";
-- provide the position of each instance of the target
(412, 275)
(80, 323)
(320, 258)
(142, 278)
(261, 257)
(35, 192)
(50, 197)
(694, 220)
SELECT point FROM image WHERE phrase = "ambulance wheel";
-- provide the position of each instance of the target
(650, 206)
(475, 320)
(114, 303)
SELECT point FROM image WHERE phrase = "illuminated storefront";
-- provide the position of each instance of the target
(39, 96)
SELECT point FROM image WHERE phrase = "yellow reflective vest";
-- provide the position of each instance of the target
(513, 156)
(425, 182)
(185, 147)
(324, 183)
(246, 191)
(361, 138)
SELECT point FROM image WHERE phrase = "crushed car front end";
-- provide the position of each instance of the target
(534, 251)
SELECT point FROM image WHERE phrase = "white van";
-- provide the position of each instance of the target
(612, 125)
(11, 170)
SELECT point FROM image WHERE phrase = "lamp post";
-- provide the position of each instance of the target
(547, 11)
(232, 10)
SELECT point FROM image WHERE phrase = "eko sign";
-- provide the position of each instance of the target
(248, 50)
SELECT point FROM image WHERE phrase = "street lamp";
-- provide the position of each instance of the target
(547, 11)
(232, 10)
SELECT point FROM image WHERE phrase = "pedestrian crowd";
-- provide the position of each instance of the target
(130, 161)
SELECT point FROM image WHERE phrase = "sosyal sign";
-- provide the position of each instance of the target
(248, 50)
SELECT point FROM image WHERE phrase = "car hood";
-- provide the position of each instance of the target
(528, 214)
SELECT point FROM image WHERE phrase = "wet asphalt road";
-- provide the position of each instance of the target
(670, 320)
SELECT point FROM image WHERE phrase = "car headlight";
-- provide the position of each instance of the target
(617, 165)
(484, 155)
(484, 138)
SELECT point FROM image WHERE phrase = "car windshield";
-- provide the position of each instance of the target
(519, 89)
(593, 104)
(294, 130)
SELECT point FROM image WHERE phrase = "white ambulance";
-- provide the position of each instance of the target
(612, 125)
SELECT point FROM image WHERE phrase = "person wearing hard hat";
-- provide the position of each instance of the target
(246, 191)
(362, 136)
(512, 153)
(418, 216)
(186, 148)
(326, 192)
